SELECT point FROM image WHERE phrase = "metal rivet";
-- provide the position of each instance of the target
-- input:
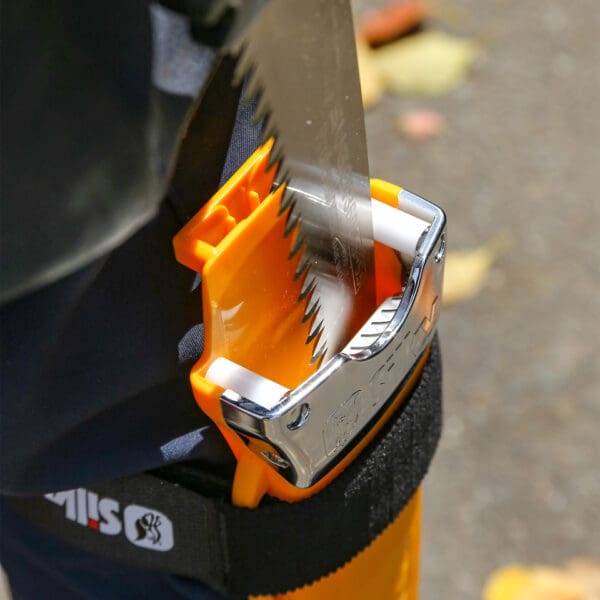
(275, 459)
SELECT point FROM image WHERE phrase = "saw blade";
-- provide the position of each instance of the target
(299, 61)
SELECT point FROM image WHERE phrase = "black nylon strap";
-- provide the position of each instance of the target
(203, 142)
(276, 547)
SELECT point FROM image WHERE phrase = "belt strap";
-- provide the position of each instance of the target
(149, 522)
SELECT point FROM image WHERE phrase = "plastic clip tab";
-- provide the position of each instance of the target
(294, 424)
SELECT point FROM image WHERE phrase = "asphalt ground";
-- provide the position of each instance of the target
(516, 477)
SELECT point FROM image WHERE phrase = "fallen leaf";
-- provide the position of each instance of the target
(429, 63)
(587, 574)
(506, 583)
(579, 581)
(521, 583)
(371, 82)
(389, 22)
(467, 271)
(421, 124)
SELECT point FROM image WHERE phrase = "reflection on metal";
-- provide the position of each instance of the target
(300, 61)
(313, 426)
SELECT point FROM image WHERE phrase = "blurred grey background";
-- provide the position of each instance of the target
(516, 478)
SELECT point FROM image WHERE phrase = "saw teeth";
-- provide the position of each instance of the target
(297, 245)
(270, 132)
(253, 92)
(275, 157)
(318, 353)
(245, 74)
(286, 201)
(302, 267)
(262, 113)
(291, 221)
(313, 307)
(282, 179)
(269, 129)
(248, 74)
(257, 119)
(308, 288)
(243, 70)
(285, 174)
(316, 330)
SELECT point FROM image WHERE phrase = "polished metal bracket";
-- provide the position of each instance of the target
(311, 428)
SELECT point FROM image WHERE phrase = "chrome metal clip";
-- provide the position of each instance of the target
(311, 428)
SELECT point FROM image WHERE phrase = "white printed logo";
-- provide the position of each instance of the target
(144, 527)
(148, 528)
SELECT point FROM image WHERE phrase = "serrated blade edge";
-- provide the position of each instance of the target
(299, 61)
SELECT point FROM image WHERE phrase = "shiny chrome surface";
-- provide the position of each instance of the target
(300, 60)
(316, 424)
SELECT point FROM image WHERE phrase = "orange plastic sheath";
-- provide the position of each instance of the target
(251, 311)
(252, 316)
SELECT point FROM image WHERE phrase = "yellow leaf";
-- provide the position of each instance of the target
(579, 581)
(466, 271)
(551, 584)
(371, 82)
(587, 574)
(429, 63)
(506, 583)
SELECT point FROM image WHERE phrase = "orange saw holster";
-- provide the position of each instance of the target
(256, 329)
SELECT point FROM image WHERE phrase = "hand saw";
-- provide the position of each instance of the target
(321, 289)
